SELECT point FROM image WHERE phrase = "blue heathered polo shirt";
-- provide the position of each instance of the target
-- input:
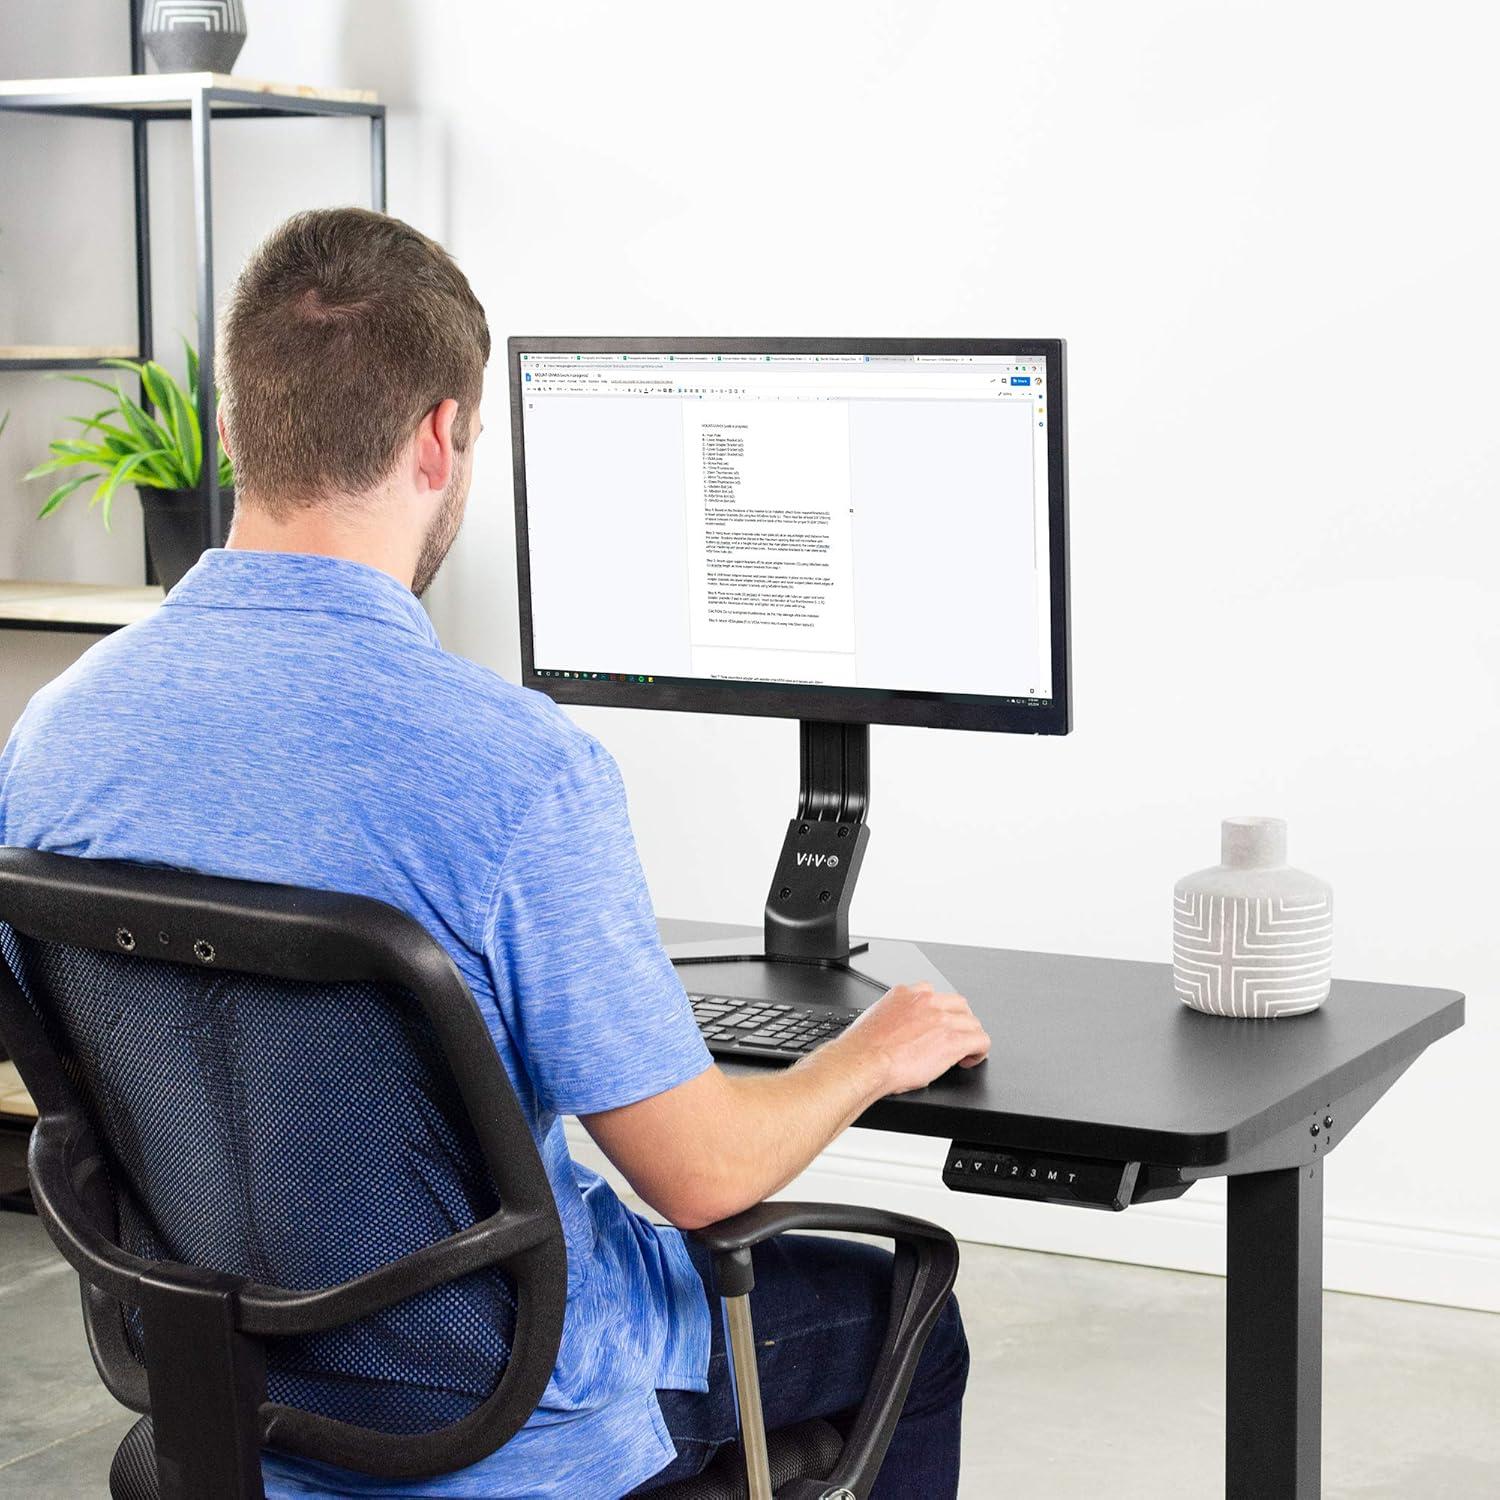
(292, 718)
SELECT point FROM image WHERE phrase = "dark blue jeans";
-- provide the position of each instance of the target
(820, 1309)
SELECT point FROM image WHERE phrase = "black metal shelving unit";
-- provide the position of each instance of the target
(200, 99)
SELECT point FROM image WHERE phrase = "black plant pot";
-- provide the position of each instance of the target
(176, 530)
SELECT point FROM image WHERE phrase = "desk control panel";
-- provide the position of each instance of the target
(1042, 1178)
(1046, 1177)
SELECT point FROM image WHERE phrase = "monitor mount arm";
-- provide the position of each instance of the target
(807, 910)
(807, 952)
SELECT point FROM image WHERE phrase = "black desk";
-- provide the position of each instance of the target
(1096, 1057)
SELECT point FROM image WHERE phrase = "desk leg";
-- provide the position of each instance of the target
(1274, 1385)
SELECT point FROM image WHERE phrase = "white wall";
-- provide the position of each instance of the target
(1269, 234)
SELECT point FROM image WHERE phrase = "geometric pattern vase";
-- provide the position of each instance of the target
(194, 36)
(1251, 937)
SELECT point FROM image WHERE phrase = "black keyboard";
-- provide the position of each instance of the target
(765, 1030)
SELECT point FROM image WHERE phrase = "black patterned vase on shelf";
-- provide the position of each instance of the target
(194, 36)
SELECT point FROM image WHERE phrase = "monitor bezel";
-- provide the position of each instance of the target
(856, 705)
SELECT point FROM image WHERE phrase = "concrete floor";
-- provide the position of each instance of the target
(1091, 1381)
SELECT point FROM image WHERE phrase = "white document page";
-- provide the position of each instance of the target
(769, 556)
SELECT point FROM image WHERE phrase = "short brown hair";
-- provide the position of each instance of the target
(344, 330)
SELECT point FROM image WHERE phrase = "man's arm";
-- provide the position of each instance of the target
(715, 1145)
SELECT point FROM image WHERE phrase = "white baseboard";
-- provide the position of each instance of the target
(1410, 1263)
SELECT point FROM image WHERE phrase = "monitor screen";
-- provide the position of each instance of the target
(826, 530)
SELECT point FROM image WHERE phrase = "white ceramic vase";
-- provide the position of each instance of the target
(1252, 937)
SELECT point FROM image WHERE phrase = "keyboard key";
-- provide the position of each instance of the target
(731, 1025)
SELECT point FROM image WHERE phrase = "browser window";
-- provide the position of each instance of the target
(841, 519)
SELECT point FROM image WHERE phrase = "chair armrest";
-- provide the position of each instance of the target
(925, 1269)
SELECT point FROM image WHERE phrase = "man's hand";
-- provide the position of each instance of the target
(715, 1144)
(916, 1034)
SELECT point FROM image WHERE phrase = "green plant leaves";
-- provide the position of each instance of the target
(104, 496)
(192, 372)
(151, 436)
(185, 427)
(162, 448)
(61, 493)
(114, 390)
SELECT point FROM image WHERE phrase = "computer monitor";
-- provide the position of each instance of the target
(841, 531)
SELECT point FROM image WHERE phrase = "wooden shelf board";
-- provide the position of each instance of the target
(66, 351)
(167, 90)
(14, 1100)
(74, 606)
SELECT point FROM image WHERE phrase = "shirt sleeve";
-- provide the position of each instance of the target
(599, 1015)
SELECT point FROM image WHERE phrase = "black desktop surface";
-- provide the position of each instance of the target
(1097, 1057)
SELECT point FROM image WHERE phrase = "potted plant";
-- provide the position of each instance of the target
(160, 453)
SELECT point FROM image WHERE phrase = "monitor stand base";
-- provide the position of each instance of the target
(806, 953)
(740, 969)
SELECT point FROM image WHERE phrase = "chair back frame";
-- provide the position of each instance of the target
(204, 1381)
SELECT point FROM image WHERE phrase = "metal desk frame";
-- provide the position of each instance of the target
(1096, 1058)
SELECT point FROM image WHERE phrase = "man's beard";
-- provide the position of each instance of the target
(440, 535)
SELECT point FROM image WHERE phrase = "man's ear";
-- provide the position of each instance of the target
(435, 453)
(223, 431)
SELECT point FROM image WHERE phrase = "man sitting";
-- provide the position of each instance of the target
(289, 716)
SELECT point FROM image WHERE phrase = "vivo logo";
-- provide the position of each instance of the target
(819, 860)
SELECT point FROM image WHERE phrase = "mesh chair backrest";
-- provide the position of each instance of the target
(295, 1133)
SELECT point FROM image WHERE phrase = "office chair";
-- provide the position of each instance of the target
(230, 1074)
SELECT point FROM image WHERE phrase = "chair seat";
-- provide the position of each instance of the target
(806, 1451)
(132, 1475)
